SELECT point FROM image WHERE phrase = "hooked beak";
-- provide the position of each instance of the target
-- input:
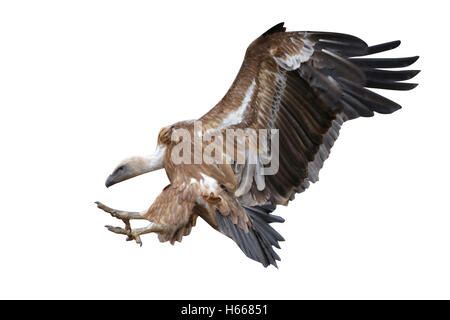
(110, 181)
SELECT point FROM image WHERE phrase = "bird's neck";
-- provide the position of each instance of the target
(152, 162)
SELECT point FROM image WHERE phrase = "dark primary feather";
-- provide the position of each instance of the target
(344, 39)
(383, 62)
(383, 47)
(387, 75)
(390, 85)
(379, 48)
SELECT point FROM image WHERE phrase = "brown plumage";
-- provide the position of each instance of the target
(305, 85)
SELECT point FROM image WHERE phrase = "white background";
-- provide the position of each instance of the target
(84, 84)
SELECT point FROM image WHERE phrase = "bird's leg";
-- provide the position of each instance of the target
(119, 214)
(126, 216)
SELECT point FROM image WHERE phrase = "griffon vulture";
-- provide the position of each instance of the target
(303, 85)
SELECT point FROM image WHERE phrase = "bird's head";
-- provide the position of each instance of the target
(135, 166)
(127, 169)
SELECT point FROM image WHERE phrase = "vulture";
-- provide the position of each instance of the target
(299, 88)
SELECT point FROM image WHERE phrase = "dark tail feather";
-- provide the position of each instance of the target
(258, 241)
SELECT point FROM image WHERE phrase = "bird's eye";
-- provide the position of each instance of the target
(119, 169)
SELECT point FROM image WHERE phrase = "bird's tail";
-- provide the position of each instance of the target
(257, 243)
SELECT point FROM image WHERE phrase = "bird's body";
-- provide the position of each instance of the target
(299, 87)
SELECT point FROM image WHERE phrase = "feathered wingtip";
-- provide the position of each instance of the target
(386, 79)
(372, 72)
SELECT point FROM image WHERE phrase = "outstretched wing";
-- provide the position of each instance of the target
(305, 84)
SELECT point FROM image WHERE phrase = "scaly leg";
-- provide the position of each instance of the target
(119, 214)
(126, 216)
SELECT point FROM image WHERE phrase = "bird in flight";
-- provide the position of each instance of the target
(297, 88)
